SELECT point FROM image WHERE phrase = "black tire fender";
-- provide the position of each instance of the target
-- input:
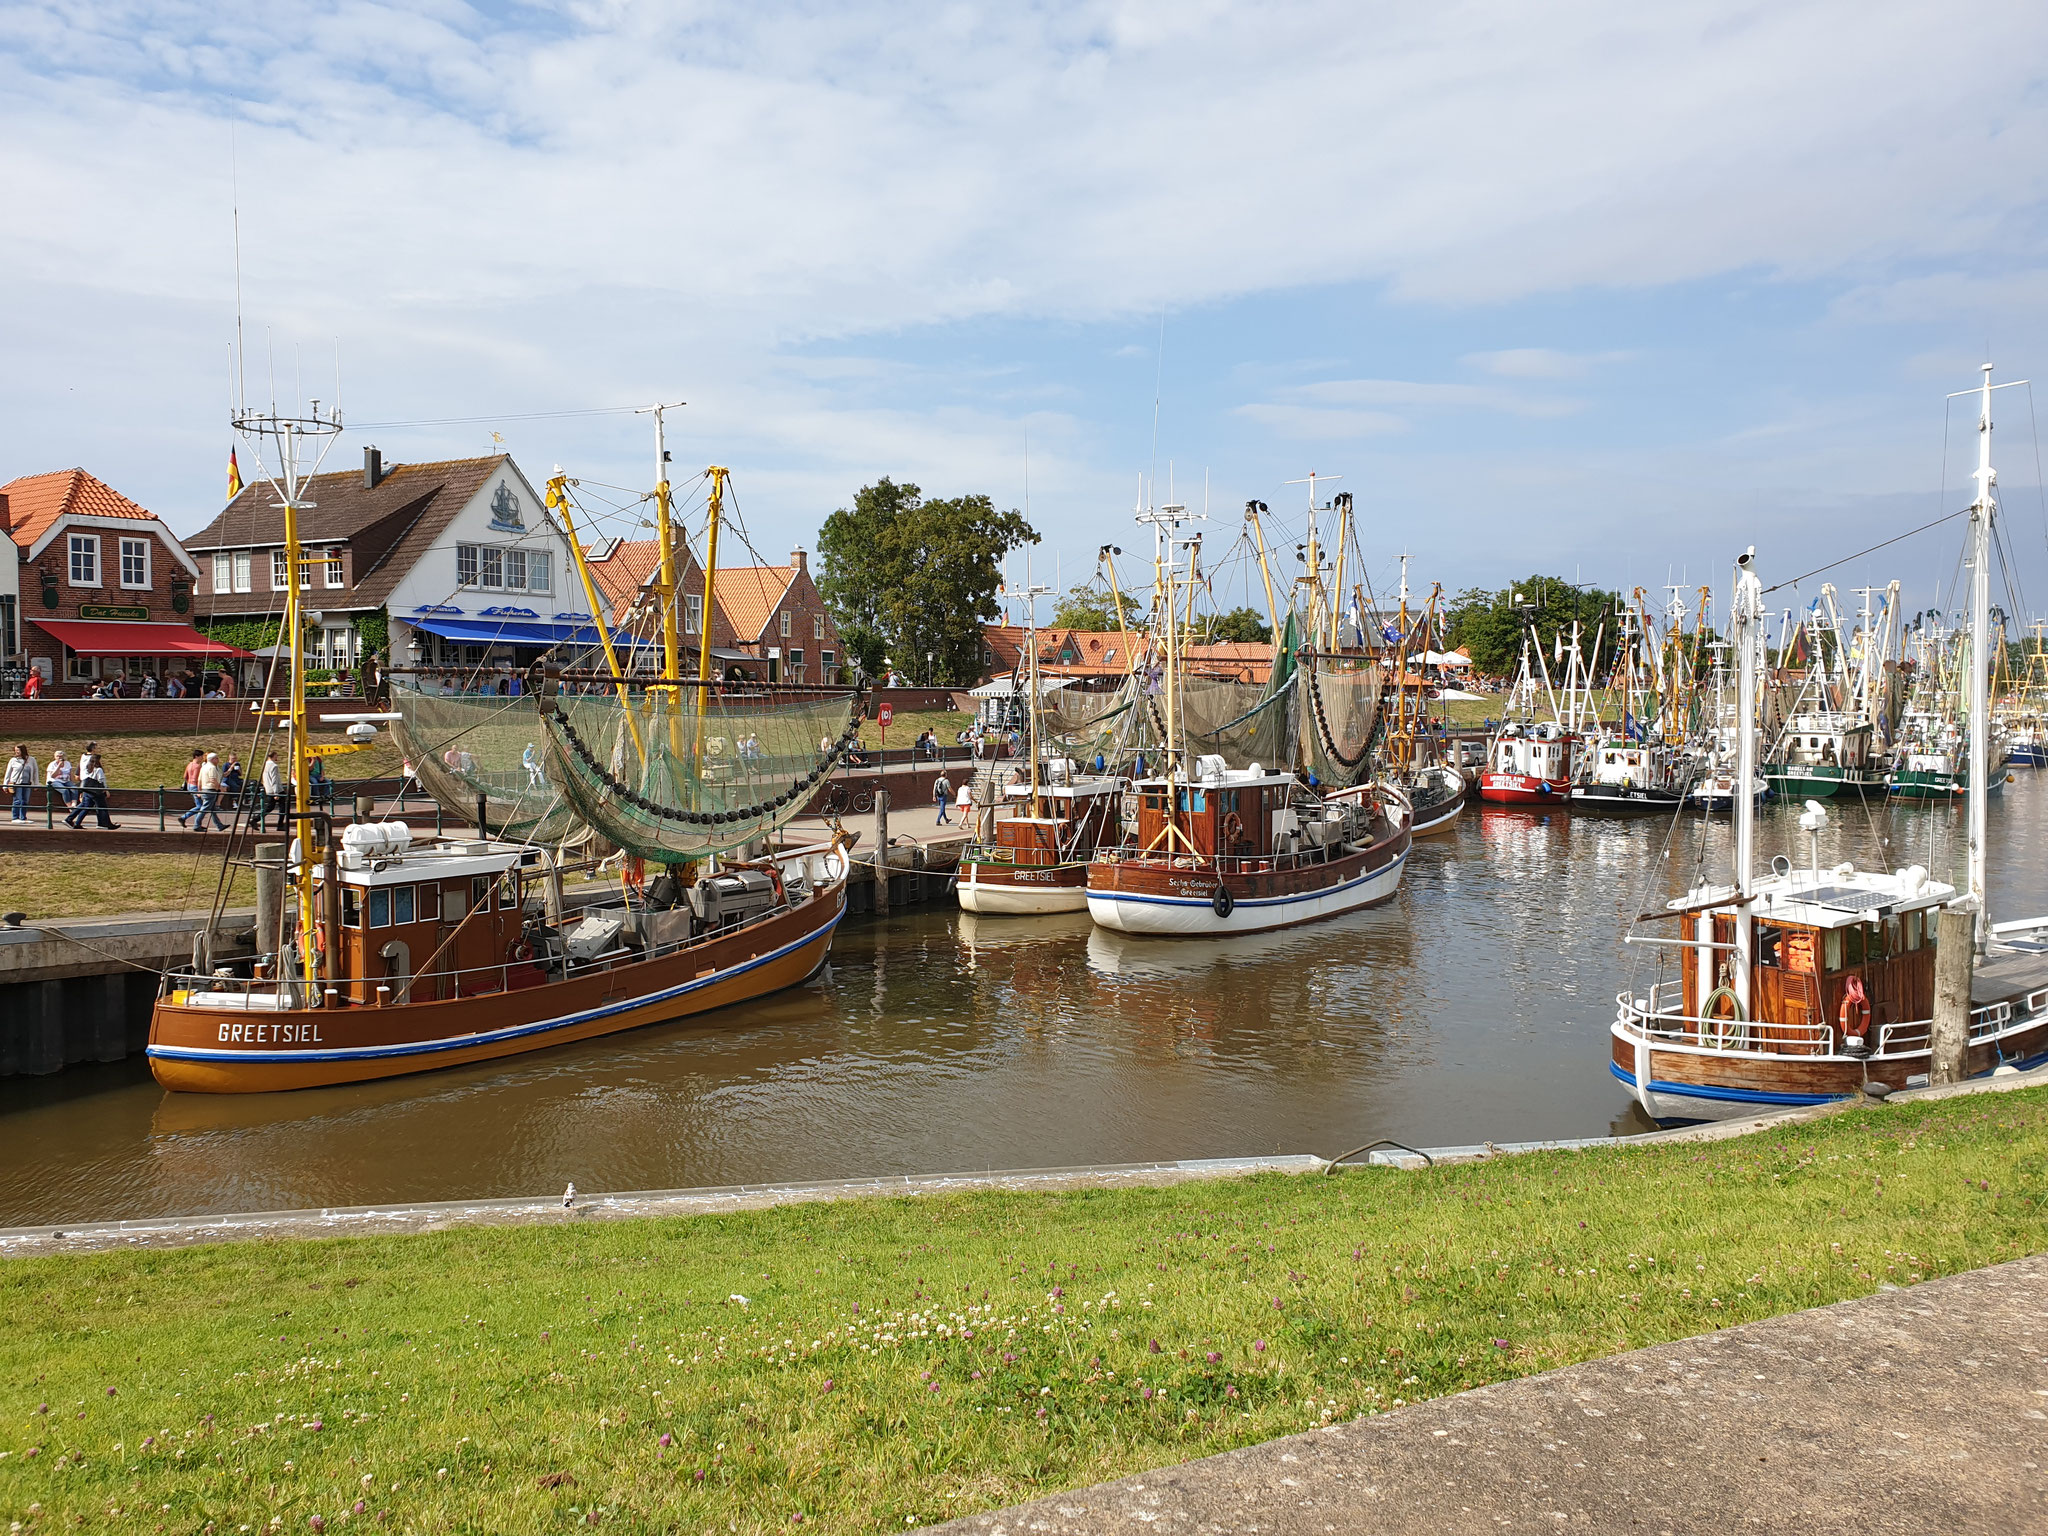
(1223, 901)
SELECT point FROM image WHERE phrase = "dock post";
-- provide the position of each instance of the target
(881, 853)
(1955, 955)
(269, 898)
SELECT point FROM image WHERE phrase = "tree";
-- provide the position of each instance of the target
(1091, 606)
(908, 578)
(1488, 626)
(1242, 625)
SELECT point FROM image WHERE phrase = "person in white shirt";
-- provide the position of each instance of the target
(209, 794)
(20, 778)
(62, 777)
(273, 794)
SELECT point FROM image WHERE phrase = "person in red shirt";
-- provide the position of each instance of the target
(192, 785)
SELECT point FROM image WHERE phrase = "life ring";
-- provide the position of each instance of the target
(1232, 829)
(1223, 901)
(1854, 1015)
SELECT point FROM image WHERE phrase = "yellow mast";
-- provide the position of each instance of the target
(1252, 509)
(302, 790)
(713, 517)
(1343, 544)
(665, 582)
(558, 499)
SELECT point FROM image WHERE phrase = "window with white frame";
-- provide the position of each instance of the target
(79, 667)
(796, 666)
(817, 626)
(223, 572)
(491, 562)
(827, 660)
(465, 565)
(280, 570)
(785, 623)
(244, 561)
(693, 613)
(135, 563)
(85, 559)
(515, 570)
(538, 577)
(333, 565)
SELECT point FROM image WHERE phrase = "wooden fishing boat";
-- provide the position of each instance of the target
(1037, 859)
(1807, 985)
(1823, 754)
(394, 956)
(1632, 777)
(457, 952)
(1244, 850)
(1528, 765)
(1437, 795)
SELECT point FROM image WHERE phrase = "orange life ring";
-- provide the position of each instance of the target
(1232, 829)
(1854, 1016)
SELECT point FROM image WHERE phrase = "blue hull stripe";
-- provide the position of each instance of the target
(1732, 1095)
(1250, 901)
(464, 1042)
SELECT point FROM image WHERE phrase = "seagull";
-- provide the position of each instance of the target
(569, 1195)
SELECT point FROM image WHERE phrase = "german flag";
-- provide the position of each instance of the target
(234, 476)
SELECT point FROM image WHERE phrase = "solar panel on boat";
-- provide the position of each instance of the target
(1847, 898)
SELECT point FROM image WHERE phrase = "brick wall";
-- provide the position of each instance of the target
(47, 717)
(55, 559)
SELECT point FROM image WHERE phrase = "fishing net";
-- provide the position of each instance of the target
(463, 745)
(661, 780)
(1341, 724)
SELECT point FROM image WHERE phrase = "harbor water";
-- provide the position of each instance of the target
(1474, 1007)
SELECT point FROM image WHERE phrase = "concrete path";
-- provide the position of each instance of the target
(1916, 1411)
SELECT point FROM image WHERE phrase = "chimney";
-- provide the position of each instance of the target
(6, 521)
(796, 558)
(373, 468)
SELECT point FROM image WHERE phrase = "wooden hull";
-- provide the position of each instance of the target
(235, 1050)
(1435, 819)
(1153, 896)
(1520, 789)
(1013, 890)
(1682, 1082)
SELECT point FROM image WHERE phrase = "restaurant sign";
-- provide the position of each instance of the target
(135, 615)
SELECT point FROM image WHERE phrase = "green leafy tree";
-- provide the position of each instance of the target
(1488, 626)
(908, 578)
(1242, 625)
(1091, 605)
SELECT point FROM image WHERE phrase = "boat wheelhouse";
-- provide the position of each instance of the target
(1632, 777)
(1242, 850)
(1529, 764)
(1037, 858)
(1824, 754)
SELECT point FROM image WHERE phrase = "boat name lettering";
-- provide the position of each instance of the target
(269, 1034)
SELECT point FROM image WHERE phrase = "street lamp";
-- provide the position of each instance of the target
(927, 669)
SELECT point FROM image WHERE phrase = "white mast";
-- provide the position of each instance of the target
(1748, 614)
(1982, 511)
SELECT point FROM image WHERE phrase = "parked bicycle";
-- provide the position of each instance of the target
(842, 799)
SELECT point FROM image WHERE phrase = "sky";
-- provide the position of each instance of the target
(1602, 290)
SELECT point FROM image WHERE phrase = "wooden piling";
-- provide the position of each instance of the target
(881, 853)
(1955, 957)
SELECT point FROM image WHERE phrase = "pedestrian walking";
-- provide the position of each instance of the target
(323, 787)
(273, 794)
(20, 778)
(965, 803)
(92, 795)
(942, 796)
(62, 776)
(209, 795)
(191, 783)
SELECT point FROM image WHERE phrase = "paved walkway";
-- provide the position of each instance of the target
(1922, 1410)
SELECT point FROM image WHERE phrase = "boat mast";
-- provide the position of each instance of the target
(1982, 511)
(558, 499)
(714, 515)
(1031, 597)
(1747, 612)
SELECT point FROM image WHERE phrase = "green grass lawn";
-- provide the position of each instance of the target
(871, 1365)
(146, 761)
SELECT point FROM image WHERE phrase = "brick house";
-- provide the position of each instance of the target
(105, 590)
(767, 621)
(460, 557)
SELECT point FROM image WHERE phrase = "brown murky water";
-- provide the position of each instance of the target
(1474, 1007)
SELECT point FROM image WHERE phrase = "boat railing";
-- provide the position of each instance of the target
(1657, 1016)
(1229, 864)
(1986, 1023)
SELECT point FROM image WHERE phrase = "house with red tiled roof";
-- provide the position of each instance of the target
(777, 617)
(103, 590)
(624, 572)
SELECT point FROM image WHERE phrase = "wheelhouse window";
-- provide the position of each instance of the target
(402, 905)
(429, 903)
(85, 560)
(380, 908)
(480, 891)
(351, 907)
(135, 563)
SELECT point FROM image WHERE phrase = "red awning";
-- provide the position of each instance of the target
(103, 637)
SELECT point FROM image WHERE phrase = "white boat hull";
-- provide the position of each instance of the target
(1187, 916)
(1006, 900)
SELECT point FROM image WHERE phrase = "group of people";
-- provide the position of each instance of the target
(82, 786)
(174, 685)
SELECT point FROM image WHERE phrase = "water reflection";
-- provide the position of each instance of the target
(1474, 1007)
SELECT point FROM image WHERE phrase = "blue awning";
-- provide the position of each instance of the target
(506, 631)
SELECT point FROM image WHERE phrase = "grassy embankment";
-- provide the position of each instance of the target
(875, 1364)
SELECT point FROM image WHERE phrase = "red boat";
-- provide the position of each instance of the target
(1529, 765)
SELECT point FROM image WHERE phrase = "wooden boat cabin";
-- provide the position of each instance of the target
(1076, 813)
(1841, 960)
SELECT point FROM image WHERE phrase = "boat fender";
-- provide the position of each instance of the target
(1854, 1016)
(1223, 901)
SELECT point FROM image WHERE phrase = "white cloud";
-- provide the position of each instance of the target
(1542, 362)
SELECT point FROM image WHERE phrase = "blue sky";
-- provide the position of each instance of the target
(1587, 288)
